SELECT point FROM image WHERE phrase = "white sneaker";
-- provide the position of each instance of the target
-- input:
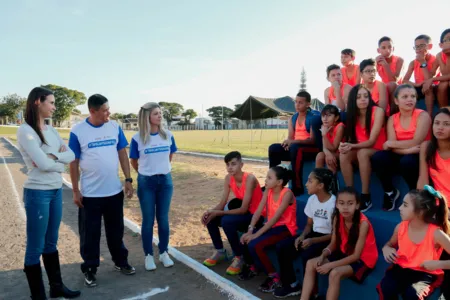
(150, 263)
(165, 260)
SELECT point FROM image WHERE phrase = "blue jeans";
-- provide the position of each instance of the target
(155, 193)
(44, 212)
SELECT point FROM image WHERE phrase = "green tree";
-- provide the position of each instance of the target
(11, 105)
(215, 113)
(65, 101)
(303, 80)
(76, 110)
(170, 110)
(130, 116)
(188, 115)
(117, 116)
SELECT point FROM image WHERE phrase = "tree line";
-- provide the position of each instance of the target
(66, 101)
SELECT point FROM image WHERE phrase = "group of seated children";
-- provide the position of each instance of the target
(338, 238)
(431, 74)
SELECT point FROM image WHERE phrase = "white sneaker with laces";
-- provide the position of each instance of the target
(165, 260)
(150, 263)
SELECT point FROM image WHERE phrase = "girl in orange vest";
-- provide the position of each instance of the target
(332, 135)
(365, 136)
(352, 252)
(435, 156)
(416, 247)
(279, 204)
(406, 130)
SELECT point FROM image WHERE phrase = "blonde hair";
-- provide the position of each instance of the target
(144, 122)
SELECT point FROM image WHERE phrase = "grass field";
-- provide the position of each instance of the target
(207, 141)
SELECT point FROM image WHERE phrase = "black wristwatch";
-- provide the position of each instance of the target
(424, 65)
(130, 180)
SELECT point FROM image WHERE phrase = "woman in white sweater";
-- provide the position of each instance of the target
(45, 155)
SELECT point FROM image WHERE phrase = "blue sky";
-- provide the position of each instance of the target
(198, 53)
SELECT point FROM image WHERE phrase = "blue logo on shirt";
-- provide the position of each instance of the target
(156, 150)
(105, 143)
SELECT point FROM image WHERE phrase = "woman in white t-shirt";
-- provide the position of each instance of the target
(316, 235)
(151, 151)
(45, 155)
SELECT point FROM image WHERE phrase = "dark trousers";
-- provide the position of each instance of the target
(90, 227)
(286, 253)
(256, 250)
(232, 225)
(408, 283)
(297, 155)
(387, 163)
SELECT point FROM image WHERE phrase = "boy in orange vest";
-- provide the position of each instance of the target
(443, 63)
(389, 66)
(350, 71)
(422, 67)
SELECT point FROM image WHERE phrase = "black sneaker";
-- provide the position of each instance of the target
(269, 285)
(366, 202)
(287, 291)
(389, 201)
(89, 279)
(126, 269)
(247, 272)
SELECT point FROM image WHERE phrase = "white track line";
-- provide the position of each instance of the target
(14, 189)
(149, 294)
(224, 284)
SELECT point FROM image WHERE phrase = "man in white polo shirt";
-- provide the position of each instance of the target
(99, 145)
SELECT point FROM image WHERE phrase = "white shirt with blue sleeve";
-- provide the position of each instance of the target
(97, 149)
(154, 156)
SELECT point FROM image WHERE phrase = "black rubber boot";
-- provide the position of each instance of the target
(34, 277)
(57, 288)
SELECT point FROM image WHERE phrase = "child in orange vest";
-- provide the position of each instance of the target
(416, 246)
(232, 215)
(337, 93)
(406, 130)
(365, 136)
(435, 155)
(350, 71)
(442, 62)
(422, 67)
(352, 252)
(377, 89)
(332, 135)
(280, 206)
(389, 66)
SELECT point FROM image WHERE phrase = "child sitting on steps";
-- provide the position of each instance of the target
(352, 252)
(280, 205)
(316, 235)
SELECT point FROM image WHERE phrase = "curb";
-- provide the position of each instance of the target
(223, 284)
(210, 155)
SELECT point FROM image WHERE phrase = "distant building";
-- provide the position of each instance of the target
(130, 124)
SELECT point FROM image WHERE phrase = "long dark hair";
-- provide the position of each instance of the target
(433, 207)
(326, 177)
(353, 233)
(433, 145)
(353, 114)
(32, 112)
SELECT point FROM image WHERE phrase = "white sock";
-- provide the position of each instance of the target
(220, 250)
(390, 193)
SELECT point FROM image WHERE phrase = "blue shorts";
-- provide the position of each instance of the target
(360, 269)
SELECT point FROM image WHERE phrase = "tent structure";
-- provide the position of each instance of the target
(264, 108)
